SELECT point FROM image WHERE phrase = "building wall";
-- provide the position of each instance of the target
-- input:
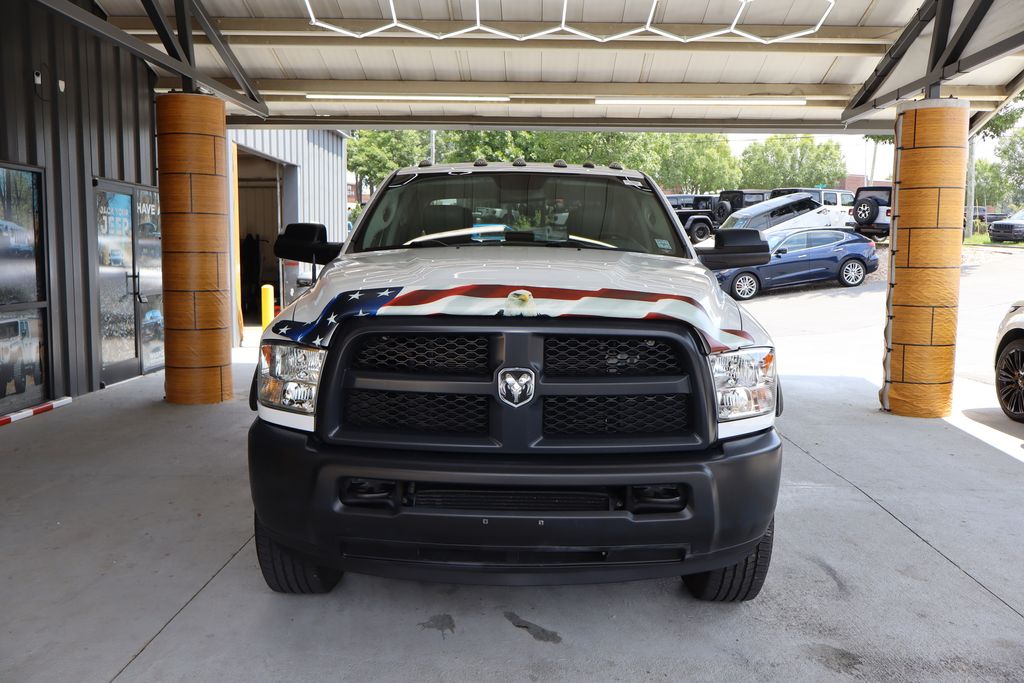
(98, 124)
(316, 173)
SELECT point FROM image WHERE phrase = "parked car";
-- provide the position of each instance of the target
(789, 211)
(734, 200)
(680, 201)
(153, 325)
(837, 201)
(802, 256)
(1010, 363)
(1008, 230)
(871, 214)
(15, 239)
(19, 356)
(699, 220)
(433, 408)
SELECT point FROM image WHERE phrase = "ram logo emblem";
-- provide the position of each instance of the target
(516, 386)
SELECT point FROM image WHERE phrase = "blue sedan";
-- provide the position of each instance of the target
(803, 256)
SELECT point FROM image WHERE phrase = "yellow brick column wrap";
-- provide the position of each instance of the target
(924, 257)
(196, 275)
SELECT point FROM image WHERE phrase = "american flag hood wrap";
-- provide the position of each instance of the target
(517, 282)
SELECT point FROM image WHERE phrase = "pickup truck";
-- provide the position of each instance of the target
(516, 374)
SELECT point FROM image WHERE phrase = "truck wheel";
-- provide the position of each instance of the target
(701, 231)
(286, 572)
(723, 210)
(19, 384)
(745, 286)
(851, 273)
(1010, 380)
(739, 582)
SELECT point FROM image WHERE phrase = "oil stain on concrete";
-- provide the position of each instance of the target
(440, 622)
(538, 632)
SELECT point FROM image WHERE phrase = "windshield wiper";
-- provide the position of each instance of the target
(579, 244)
(431, 243)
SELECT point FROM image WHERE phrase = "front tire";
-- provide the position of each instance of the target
(736, 583)
(1010, 380)
(852, 273)
(745, 286)
(701, 232)
(286, 572)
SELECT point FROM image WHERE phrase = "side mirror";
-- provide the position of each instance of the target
(781, 250)
(735, 248)
(306, 243)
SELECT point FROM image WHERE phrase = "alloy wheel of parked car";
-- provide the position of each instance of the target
(745, 286)
(852, 273)
(1010, 380)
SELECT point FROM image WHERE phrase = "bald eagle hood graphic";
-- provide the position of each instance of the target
(520, 303)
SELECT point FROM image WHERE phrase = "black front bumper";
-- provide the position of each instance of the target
(731, 491)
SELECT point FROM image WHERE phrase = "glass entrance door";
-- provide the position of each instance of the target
(117, 286)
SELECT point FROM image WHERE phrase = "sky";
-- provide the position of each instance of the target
(857, 151)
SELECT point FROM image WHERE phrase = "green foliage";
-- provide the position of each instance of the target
(373, 154)
(880, 139)
(1004, 121)
(788, 161)
(641, 151)
(991, 187)
(1011, 156)
(453, 146)
(698, 163)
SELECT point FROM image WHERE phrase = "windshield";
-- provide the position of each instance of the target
(1019, 216)
(734, 221)
(522, 208)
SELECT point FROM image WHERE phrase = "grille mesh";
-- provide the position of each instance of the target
(435, 354)
(624, 356)
(397, 410)
(600, 415)
(465, 499)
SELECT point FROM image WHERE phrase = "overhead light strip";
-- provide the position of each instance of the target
(563, 27)
(407, 98)
(705, 101)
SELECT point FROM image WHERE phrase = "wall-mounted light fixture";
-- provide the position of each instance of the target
(407, 98)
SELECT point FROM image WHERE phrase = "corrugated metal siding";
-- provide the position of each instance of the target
(101, 125)
(319, 158)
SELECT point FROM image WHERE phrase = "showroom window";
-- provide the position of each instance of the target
(22, 290)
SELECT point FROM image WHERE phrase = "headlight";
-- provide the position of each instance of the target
(288, 376)
(744, 382)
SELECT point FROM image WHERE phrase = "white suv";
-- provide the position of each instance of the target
(1010, 363)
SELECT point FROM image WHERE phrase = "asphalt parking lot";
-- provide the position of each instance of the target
(128, 551)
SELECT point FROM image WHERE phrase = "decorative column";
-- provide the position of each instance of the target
(924, 257)
(196, 274)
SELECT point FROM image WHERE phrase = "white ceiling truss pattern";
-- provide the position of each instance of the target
(563, 27)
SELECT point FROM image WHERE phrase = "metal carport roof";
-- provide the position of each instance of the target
(574, 77)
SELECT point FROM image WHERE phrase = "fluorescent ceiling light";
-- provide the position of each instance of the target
(407, 98)
(707, 101)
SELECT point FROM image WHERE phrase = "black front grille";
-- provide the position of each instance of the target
(435, 353)
(615, 414)
(537, 500)
(580, 356)
(430, 384)
(398, 410)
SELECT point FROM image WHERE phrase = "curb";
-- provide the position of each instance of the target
(36, 410)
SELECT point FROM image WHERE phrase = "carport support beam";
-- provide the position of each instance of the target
(191, 146)
(924, 257)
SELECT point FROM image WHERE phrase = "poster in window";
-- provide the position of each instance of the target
(22, 360)
(21, 272)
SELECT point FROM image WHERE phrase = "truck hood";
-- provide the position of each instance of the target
(516, 282)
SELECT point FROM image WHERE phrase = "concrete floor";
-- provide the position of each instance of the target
(127, 546)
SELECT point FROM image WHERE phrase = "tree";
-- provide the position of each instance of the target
(373, 154)
(793, 161)
(1011, 156)
(698, 163)
(991, 187)
(641, 151)
(469, 145)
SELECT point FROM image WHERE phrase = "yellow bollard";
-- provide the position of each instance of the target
(267, 299)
